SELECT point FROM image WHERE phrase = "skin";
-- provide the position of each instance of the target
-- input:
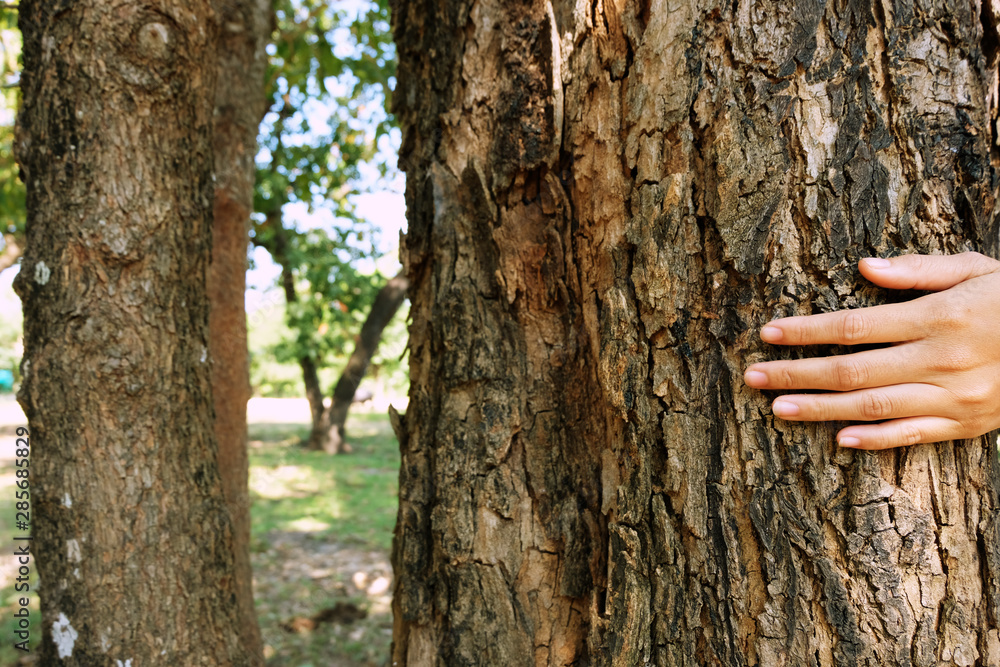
(940, 380)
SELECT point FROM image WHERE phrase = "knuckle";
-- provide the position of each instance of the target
(974, 426)
(954, 360)
(910, 434)
(971, 256)
(850, 375)
(786, 380)
(982, 263)
(941, 314)
(915, 263)
(951, 314)
(975, 395)
(876, 405)
(855, 327)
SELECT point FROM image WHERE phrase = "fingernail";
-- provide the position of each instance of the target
(771, 334)
(848, 441)
(755, 378)
(785, 409)
(877, 263)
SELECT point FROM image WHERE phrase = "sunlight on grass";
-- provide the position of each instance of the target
(354, 494)
(322, 528)
(321, 533)
(283, 482)
(308, 525)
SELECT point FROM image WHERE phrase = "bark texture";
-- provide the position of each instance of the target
(132, 535)
(240, 103)
(606, 201)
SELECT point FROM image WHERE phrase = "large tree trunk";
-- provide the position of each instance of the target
(240, 103)
(606, 201)
(132, 535)
(329, 434)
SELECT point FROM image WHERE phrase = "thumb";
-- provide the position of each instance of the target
(927, 272)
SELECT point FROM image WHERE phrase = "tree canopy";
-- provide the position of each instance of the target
(11, 187)
(328, 130)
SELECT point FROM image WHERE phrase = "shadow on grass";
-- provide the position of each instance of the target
(350, 497)
(321, 532)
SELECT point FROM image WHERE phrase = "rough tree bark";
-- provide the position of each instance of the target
(606, 201)
(328, 433)
(240, 103)
(132, 535)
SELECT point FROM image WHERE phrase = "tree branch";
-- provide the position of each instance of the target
(387, 302)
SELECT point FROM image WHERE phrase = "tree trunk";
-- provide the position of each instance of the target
(329, 435)
(606, 201)
(327, 431)
(132, 535)
(240, 103)
(278, 248)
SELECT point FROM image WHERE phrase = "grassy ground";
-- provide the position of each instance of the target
(322, 528)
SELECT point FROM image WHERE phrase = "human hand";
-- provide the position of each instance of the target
(939, 381)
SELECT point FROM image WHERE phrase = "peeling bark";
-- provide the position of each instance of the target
(133, 538)
(606, 201)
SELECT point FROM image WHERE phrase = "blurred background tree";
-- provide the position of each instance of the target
(11, 197)
(11, 187)
(327, 132)
(327, 153)
(327, 138)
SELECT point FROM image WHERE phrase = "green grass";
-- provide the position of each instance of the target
(319, 522)
(349, 498)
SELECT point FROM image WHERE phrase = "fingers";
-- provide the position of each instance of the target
(938, 382)
(861, 370)
(900, 433)
(893, 402)
(890, 323)
(926, 272)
